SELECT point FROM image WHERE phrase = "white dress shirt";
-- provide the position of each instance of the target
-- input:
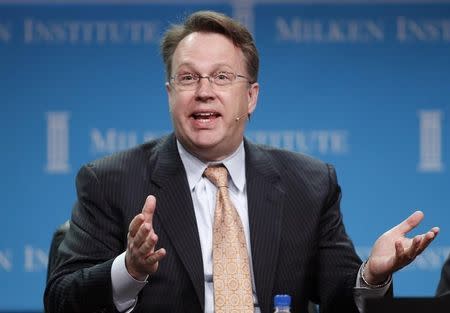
(204, 198)
(203, 192)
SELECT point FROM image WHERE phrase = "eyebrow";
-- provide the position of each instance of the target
(191, 65)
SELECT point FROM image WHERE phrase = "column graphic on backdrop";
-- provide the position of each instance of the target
(58, 142)
(430, 123)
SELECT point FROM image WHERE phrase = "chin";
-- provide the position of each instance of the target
(205, 144)
(206, 138)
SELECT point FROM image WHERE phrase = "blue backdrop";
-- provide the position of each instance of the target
(363, 86)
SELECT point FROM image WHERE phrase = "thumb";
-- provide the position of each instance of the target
(410, 223)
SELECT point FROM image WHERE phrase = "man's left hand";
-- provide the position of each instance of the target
(393, 250)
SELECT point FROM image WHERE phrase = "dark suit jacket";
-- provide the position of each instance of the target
(444, 284)
(298, 241)
(54, 256)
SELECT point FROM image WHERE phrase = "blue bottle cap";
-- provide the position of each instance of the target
(282, 300)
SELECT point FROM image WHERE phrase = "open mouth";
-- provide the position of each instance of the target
(205, 116)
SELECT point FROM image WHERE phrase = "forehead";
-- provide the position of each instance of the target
(206, 51)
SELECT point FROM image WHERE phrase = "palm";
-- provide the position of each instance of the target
(393, 250)
(383, 259)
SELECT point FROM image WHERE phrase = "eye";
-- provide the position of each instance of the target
(186, 78)
(222, 77)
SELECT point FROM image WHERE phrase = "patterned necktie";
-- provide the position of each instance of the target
(231, 271)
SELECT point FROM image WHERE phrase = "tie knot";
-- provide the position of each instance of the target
(218, 175)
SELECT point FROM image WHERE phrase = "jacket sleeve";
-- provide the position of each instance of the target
(338, 261)
(81, 282)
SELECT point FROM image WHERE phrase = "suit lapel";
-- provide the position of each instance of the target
(265, 205)
(176, 212)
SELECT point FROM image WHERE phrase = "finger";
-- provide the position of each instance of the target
(400, 258)
(435, 230)
(148, 246)
(141, 235)
(427, 239)
(135, 224)
(156, 256)
(413, 250)
(405, 256)
(149, 208)
(412, 221)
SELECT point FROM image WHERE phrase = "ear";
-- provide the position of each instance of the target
(170, 91)
(253, 92)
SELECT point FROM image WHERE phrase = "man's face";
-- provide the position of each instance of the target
(204, 118)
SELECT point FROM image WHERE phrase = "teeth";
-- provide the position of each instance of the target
(204, 114)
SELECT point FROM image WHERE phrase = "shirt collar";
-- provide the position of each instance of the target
(235, 164)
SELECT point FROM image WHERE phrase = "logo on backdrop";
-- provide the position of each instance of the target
(329, 31)
(89, 32)
(6, 262)
(322, 142)
(340, 30)
(296, 29)
(34, 259)
(430, 137)
(5, 32)
(57, 143)
(103, 142)
(423, 30)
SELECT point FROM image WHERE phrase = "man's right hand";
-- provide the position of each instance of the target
(141, 259)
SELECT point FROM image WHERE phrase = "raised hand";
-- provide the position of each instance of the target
(141, 259)
(393, 250)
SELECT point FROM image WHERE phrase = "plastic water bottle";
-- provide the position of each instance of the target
(282, 304)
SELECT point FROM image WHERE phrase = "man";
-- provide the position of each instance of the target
(284, 226)
(444, 283)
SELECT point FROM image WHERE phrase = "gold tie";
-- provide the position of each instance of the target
(231, 271)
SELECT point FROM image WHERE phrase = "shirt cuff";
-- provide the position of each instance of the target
(125, 287)
(361, 283)
(364, 291)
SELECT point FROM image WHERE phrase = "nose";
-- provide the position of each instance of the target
(204, 89)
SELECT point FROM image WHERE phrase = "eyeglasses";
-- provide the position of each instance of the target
(190, 81)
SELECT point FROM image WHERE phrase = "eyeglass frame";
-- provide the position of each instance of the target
(210, 78)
